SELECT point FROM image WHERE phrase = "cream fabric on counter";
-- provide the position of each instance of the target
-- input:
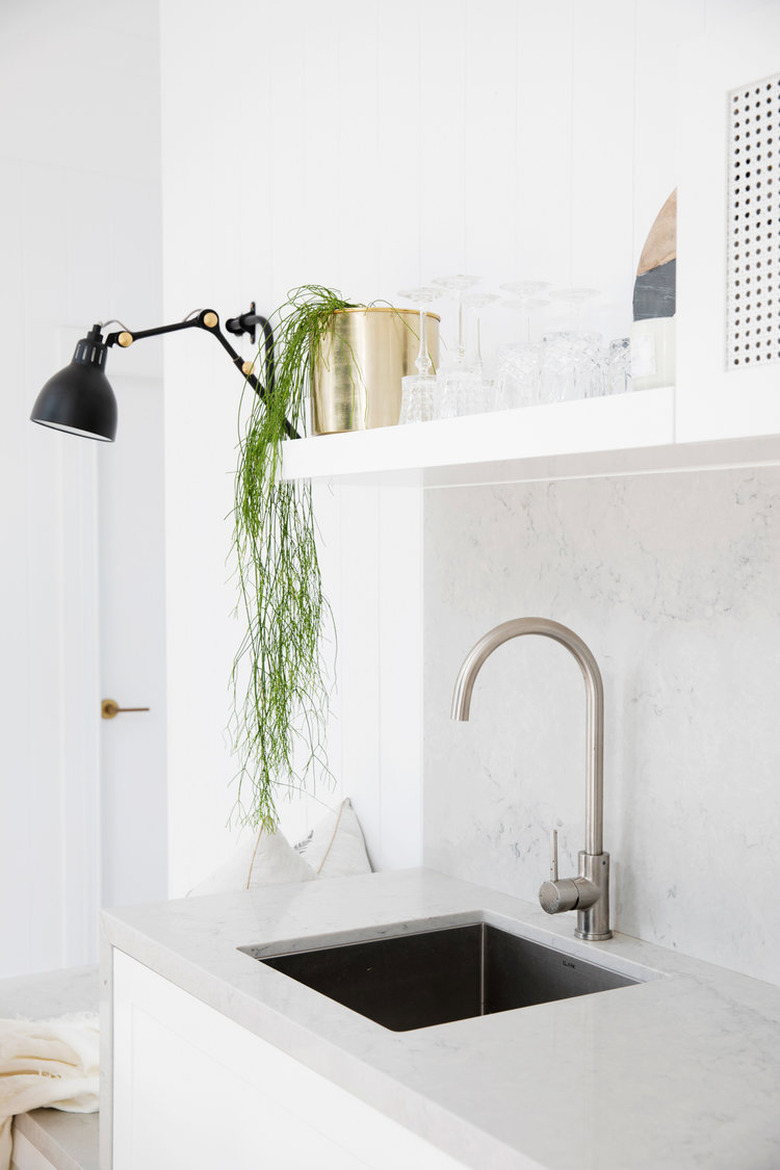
(47, 1063)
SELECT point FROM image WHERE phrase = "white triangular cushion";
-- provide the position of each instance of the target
(265, 860)
(335, 847)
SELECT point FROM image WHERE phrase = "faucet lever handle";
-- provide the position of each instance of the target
(553, 855)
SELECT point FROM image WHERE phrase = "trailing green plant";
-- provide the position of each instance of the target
(280, 692)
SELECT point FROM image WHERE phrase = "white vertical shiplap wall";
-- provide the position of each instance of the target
(371, 147)
(371, 554)
(79, 210)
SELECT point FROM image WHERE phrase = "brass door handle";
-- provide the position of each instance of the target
(109, 708)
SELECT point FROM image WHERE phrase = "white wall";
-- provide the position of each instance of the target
(79, 242)
(349, 144)
(672, 580)
(368, 148)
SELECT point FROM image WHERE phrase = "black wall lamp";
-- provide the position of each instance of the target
(79, 399)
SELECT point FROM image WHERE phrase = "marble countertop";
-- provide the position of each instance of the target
(682, 1070)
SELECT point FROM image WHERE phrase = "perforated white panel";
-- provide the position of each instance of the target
(753, 336)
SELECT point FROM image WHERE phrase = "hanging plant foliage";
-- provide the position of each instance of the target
(280, 688)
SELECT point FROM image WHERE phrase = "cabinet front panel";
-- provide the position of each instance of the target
(191, 1088)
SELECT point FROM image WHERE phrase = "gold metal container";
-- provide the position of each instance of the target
(363, 357)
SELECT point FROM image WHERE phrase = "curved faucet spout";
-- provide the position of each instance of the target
(588, 893)
(594, 700)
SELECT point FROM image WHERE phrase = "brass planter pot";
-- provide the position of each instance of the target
(363, 357)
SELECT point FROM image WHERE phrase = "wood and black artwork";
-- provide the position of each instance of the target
(655, 288)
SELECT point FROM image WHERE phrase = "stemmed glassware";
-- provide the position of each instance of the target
(456, 286)
(418, 390)
(475, 302)
(457, 381)
(525, 296)
(476, 390)
(575, 298)
(517, 381)
(569, 363)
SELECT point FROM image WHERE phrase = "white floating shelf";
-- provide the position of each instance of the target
(621, 435)
(643, 419)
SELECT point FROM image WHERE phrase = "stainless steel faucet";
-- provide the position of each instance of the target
(588, 893)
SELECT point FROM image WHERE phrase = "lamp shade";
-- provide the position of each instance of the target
(79, 399)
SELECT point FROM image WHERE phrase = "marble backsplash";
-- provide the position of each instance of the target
(672, 580)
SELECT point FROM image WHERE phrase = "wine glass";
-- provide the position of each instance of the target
(517, 381)
(456, 286)
(477, 394)
(475, 302)
(575, 298)
(454, 382)
(418, 390)
(525, 297)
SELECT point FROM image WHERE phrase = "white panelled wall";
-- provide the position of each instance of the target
(368, 149)
(81, 822)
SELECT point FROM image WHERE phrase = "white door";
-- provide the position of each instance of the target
(132, 635)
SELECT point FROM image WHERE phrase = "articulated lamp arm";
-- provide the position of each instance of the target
(79, 399)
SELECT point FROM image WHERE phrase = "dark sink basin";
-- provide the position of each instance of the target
(416, 980)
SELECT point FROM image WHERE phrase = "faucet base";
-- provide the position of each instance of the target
(593, 923)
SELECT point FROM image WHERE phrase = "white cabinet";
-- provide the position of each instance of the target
(192, 1088)
(715, 398)
(716, 402)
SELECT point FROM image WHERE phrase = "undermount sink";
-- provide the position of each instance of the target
(418, 979)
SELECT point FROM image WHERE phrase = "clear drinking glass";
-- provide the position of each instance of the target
(618, 367)
(572, 359)
(457, 389)
(517, 379)
(418, 391)
(519, 363)
(571, 367)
